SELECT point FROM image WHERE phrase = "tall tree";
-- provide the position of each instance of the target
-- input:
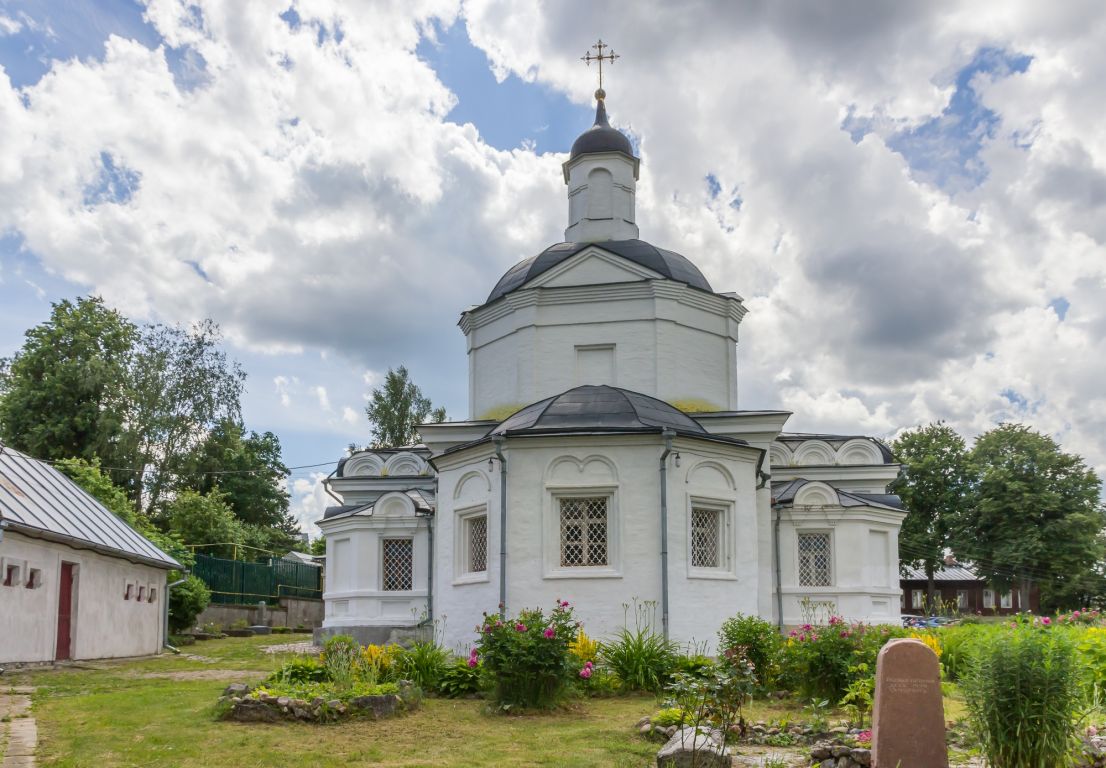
(1037, 517)
(61, 395)
(396, 408)
(182, 385)
(934, 486)
(247, 468)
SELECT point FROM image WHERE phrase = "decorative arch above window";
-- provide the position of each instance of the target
(815, 453)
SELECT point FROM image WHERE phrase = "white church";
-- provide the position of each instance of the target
(606, 461)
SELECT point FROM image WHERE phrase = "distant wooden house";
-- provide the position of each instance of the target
(76, 582)
(961, 590)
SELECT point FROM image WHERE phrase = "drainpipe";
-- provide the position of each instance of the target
(429, 515)
(777, 508)
(497, 441)
(668, 435)
(165, 613)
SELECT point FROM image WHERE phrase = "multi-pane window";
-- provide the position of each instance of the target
(583, 531)
(988, 598)
(398, 557)
(962, 599)
(1007, 600)
(917, 598)
(706, 538)
(476, 538)
(814, 560)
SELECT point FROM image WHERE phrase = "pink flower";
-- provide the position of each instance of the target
(1075, 614)
(473, 662)
(585, 672)
(487, 628)
(520, 627)
(472, 653)
(807, 627)
(564, 603)
(1046, 621)
(549, 633)
(588, 665)
(844, 633)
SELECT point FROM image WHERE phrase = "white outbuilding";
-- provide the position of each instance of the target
(76, 582)
(606, 460)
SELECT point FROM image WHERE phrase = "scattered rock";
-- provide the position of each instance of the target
(698, 747)
(253, 711)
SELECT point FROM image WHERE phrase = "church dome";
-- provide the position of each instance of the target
(598, 408)
(601, 137)
(668, 263)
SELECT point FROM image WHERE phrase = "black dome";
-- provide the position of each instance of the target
(601, 137)
(598, 408)
(668, 263)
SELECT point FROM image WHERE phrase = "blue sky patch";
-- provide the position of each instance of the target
(115, 183)
(1060, 306)
(945, 150)
(507, 114)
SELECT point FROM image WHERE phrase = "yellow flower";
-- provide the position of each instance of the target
(931, 640)
(584, 648)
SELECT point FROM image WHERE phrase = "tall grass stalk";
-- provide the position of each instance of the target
(1022, 689)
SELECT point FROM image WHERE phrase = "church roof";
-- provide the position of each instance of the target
(668, 263)
(601, 137)
(785, 492)
(598, 408)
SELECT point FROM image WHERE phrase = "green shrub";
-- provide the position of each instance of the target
(341, 657)
(459, 679)
(527, 659)
(423, 664)
(186, 602)
(715, 699)
(1021, 686)
(281, 630)
(668, 716)
(957, 645)
(822, 662)
(642, 659)
(695, 664)
(308, 691)
(760, 640)
(301, 670)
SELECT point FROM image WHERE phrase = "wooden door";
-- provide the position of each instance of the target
(65, 613)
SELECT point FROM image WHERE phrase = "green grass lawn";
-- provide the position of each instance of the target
(160, 712)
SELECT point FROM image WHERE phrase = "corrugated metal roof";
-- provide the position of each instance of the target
(958, 572)
(38, 500)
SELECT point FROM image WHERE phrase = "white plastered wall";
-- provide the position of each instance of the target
(104, 624)
(626, 469)
(354, 593)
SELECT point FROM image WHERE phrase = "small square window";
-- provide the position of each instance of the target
(815, 561)
(11, 575)
(152, 595)
(398, 565)
(129, 592)
(706, 538)
(34, 578)
(141, 594)
(583, 532)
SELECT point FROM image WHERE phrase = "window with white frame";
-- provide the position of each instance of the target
(815, 560)
(917, 598)
(1007, 600)
(474, 532)
(988, 598)
(961, 599)
(398, 562)
(584, 529)
(707, 537)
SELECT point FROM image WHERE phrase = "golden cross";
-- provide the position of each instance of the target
(589, 57)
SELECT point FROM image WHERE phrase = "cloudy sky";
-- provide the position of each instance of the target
(910, 196)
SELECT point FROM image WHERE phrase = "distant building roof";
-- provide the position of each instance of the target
(837, 440)
(957, 572)
(39, 501)
(303, 558)
(785, 492)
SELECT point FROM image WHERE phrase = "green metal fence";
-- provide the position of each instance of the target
(241, 583)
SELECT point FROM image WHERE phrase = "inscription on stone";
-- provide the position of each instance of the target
(908, 719)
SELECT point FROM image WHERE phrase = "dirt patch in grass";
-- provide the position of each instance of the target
(205, 674)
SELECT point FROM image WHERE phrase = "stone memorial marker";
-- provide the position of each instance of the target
(908, 718)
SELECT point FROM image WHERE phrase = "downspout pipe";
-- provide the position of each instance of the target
(165, 613)
(668, 436)
(497, 442)
(777, 509)
(429, 515)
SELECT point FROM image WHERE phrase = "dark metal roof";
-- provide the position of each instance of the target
(598, 407)
(38, 500)
(667, 263)
(785, 492)
(601, 137)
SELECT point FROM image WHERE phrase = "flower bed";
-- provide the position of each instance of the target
(316, 702)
